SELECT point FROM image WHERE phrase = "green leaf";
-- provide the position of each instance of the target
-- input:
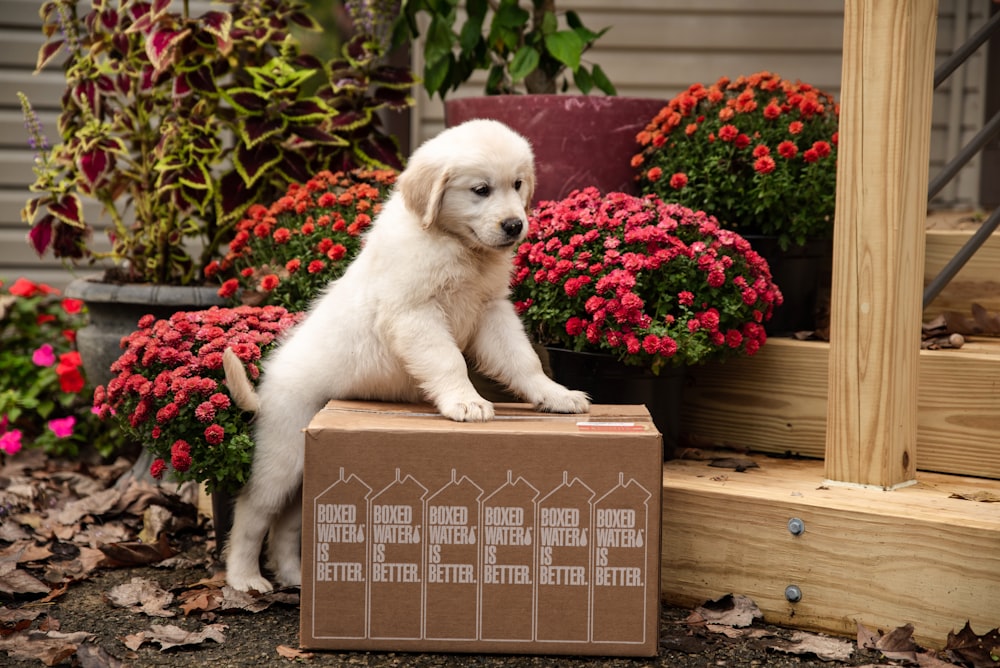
(583, 80)
(436, 76)
(602, 81)
(472, 29)
(566, 47)
(494, 80)
(525, 62)
(439, 42)
(586, 35)
(510, 15)
(550, 23)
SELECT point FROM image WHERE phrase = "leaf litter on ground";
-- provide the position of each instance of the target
(64, 522)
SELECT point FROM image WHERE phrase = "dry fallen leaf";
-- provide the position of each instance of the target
(141, 596)
(898, 644)
(51, 648)
(136, 553)
(16, 581)
(738, 464)
(95, 504)
(94, 656)
(169, 635)
(293, 653)
(982, 497)
(824, 647)
(730, 610)
(978, 651)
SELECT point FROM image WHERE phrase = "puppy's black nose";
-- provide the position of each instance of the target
(511, 226)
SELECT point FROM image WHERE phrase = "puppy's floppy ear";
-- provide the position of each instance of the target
(422, 185)
(529, 183)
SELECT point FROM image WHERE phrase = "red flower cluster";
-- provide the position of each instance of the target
(649, 282)
(758, 153)
(169, 392)
(286, 253)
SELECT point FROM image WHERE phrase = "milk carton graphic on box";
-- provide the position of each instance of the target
(452, 538)
(509, 562)
(340, 556)
(564, 562)
(395, 601)
(621, 551)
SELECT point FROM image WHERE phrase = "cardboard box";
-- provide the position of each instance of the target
(532, 533)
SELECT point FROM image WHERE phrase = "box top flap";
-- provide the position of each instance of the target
(510, 418)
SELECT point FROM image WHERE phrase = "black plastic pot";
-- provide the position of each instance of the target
(609, 381)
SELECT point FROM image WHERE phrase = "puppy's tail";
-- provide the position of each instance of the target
(240, 387)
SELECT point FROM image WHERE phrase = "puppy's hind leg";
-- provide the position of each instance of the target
(284, 544)
(245, 542)
(276, 475)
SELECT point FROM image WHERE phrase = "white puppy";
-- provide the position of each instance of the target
(429, 288)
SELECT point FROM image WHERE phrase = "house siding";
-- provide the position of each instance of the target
(655, 48)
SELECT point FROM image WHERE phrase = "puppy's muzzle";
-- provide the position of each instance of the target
(512, 227)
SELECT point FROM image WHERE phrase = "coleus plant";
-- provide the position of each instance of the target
(176, 124)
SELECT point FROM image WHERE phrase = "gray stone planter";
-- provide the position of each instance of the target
(115, 310)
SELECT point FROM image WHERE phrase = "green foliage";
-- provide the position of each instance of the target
(175, 124)
(44, 400)
(521, 50)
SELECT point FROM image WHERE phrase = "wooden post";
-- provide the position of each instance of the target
(884, 147)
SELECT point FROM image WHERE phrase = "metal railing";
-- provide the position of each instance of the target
(990, 130)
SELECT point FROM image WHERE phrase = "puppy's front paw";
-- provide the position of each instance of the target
(256, 582)
(478, 410)
(565, 401)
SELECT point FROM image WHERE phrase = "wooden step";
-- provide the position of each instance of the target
(776, 402)
(883, 559)
(977, 282)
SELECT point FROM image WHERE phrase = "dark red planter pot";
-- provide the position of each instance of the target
(579, 140)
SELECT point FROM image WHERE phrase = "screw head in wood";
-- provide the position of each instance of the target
(796, 526)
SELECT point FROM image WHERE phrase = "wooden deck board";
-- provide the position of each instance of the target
(883, 559)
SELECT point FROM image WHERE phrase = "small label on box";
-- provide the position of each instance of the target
(611, 426)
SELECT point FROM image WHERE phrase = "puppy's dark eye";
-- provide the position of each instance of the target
(482, 190)
(517, 184)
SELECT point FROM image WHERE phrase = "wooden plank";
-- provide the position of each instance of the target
(882, 559)
(977, 282)
(885, 117)
(776, 402)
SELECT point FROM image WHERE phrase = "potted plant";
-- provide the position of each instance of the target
(168, 391)
(176, 123)
(286, 253)
(531, 52)
(642, 287)
(760, 154)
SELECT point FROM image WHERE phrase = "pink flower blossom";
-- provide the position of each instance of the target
(10, 442)
(62, 427)
(44, 356)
